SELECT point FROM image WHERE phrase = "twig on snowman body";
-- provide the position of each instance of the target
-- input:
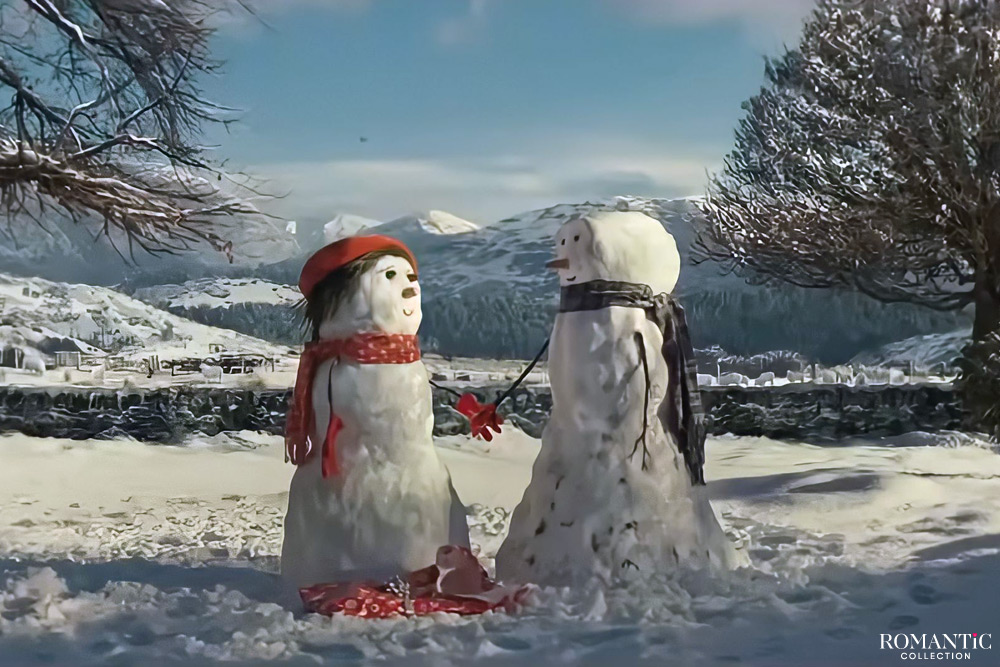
(645, 406)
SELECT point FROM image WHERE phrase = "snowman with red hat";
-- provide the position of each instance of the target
(370, 499)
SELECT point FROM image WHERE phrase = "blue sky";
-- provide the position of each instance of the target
(487, 108)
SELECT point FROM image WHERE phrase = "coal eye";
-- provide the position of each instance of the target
(563, 242)
(576, 238)
(390, 274)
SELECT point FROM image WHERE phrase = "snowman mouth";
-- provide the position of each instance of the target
(408, 313)
(569, 280)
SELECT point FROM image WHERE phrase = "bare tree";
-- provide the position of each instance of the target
(871, 159)
(104, 118)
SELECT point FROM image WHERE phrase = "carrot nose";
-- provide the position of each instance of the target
(409, 293)
(557, 264)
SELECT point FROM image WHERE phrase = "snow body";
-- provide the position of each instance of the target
(591, 509)
(392, 504)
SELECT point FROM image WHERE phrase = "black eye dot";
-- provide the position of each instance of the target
(563, 242)
(390, 274)
(576, 238)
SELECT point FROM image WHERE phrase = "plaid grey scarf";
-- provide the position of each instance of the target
(681, 412)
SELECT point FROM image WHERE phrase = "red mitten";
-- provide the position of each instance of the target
(481, 417)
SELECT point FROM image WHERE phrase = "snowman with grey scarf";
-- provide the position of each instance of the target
(617, 490)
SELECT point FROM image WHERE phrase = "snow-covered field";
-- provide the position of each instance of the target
(38, 316)
(81, 313)
(123, 553)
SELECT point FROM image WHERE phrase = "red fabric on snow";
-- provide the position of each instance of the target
(455, 584)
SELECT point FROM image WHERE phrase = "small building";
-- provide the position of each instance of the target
(12, 357)
(68, 360)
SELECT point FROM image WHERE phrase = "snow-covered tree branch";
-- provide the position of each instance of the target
(871, 159)
(104, 117)
(980, 384)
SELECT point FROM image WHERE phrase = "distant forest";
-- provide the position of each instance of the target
(828, 326)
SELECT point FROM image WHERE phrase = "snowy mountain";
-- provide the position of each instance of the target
(345, 225)
(68, 252)
(487, 292)
(489, 289)
(252, 306)
(438, 223)
(46, 317)
(511, 254)
(218, 293)
(431, 222)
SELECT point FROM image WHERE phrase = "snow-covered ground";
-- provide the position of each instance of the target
(122, 553)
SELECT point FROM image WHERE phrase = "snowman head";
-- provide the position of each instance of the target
(622, 246)
(376, 292)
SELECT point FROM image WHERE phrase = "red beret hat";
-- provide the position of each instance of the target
(340, 253)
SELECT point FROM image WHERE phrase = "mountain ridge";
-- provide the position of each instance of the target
(487, 293)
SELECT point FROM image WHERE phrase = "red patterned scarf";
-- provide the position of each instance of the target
(364, 348)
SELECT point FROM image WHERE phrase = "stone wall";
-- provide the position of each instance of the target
(832, 411)
(789, 411)
(167, 415)
(164, 415)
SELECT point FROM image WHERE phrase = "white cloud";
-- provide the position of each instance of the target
(235, 17)
(466, 28)
(276, 6)
(764, 20)
(480, 190)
